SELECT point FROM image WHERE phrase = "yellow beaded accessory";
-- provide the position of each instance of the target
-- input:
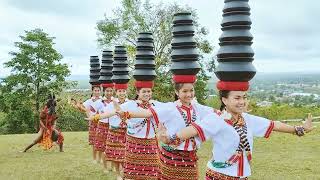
(127, 115)
(96, 118)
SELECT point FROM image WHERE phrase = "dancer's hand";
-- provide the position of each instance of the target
(307, 125)
(120, 113)
(72, 102)
(116, 106)
(162, 134)
(78, 104)
(89, 118)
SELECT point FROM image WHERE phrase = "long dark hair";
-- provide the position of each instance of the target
(177, 87)
(51, 104)
(222, 94)
(137, 96)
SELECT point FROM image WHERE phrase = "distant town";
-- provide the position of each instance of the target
(290, 88)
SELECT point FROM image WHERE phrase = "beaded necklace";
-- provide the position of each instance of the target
(188, 120)
(145, 121)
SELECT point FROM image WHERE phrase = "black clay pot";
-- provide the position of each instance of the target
(124, 69)
(120, 68)
(235, 54)
(184, 52)
(142, 53)
(144, 67)
(145, 72)
(235, 51)
(145, 44)
(236, 35)
(120, 49)
(145, 62)
(105, 72)
(184, 55)
(191, 67)
(94, 81)
(94, 70)
(183, 17)
(183, 40)
(106, 65)
(236, 5)
(120, 79)
(104, 79)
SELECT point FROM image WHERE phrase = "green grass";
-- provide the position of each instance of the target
(280, 157)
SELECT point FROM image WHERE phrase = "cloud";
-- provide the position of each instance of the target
(71, 22)
(86, 9)
(286, 33)
(281, 65)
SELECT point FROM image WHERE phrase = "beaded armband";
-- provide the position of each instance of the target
(299, 130)
(126, 115)
(96, 118)
(174, 140)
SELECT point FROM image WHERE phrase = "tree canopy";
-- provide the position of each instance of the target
(36, 71)
(135, 16)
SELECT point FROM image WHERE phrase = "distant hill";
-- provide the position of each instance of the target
(82, 80)
(265, 78)
(275, 78)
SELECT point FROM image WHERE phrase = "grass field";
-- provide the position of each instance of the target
(280, 157)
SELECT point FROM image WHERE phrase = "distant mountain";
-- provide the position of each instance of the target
(275, 78)
(285, 76)
(292, 77)
(268, 78)
(82, 80)
(78, 77)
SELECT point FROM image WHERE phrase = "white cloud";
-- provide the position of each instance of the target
(71, 22)
(284, 65)
(286, 33)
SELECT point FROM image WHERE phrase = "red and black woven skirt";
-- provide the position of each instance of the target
(141, 159)
(101, 136)
(116, 145)
(92, 132)
(178, 165)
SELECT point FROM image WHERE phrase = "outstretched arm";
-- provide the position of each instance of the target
(299, 130)
(78, 105)
(141, 113)
(104, 115)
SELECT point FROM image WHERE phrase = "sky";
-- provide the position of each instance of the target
(286, 33)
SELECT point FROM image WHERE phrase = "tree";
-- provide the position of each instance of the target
(36, 71)
(135, 16)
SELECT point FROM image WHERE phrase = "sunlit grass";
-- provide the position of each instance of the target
(283, 156)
